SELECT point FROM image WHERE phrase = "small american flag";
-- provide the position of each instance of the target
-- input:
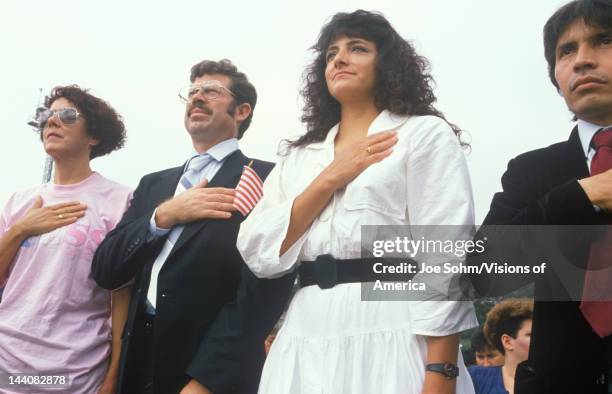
(248, 191)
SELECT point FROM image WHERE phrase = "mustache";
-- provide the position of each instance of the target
(199, 104)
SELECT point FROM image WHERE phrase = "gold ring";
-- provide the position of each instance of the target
(60, 216)
(369, 150)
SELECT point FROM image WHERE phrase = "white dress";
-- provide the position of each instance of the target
(331, 341)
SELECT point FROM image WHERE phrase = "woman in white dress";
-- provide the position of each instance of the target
(376, 152)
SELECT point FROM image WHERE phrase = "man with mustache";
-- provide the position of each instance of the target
(198, 317)
(568, 183)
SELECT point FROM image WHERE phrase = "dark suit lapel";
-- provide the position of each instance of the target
(227, 176)
(574, 162)
(165, 187)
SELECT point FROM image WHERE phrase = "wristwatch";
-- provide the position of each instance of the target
(449, 370)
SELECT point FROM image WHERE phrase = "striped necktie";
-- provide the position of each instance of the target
(191, 177)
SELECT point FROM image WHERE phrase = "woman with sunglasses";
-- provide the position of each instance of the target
(55, 322)
(376, 152)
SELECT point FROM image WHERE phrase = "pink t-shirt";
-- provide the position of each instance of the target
(54, 319)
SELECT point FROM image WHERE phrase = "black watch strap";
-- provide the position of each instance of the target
(449, 370)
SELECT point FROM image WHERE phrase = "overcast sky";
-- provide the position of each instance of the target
(486, 55)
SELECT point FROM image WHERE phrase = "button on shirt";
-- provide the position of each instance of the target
(216, 156)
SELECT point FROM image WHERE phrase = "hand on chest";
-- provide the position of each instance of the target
(381, 187)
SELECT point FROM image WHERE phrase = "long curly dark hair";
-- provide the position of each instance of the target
(403, 84)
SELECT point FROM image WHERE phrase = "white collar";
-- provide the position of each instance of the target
(219, 151)
(385, 121)
(586, 131)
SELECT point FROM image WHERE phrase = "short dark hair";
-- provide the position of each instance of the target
(507, 317)
(596, 13)
(403, 83)
(102, 122)
(243, 90)
(479, 342)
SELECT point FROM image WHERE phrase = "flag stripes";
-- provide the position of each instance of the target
(248, 191)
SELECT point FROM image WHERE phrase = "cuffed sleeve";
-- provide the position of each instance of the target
(154, 231)
(441, 318)
(440, 207)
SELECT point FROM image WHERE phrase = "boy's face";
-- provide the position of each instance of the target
(489, 357)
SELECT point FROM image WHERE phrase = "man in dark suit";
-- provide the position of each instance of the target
(559, 185)
(198, 317)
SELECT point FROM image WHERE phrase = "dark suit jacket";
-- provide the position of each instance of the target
(540, 188)
(212, 313)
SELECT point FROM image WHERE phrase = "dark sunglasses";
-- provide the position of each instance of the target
(65, 116)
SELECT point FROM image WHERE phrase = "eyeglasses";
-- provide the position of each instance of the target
(65, 116)
(211, 90)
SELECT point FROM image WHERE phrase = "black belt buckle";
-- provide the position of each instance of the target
(326, 271)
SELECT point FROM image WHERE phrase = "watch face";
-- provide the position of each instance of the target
(451, 370)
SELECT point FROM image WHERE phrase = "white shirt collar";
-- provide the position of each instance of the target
(385, 121)
(220, 151)
(586, 131)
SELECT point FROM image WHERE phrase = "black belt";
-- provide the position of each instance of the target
(326, 271)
